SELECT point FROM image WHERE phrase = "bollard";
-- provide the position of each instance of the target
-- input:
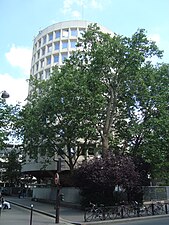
(166, 211)
(122, 215)
(57, 204)
(0, 208)
(152, 208)
(31, 214)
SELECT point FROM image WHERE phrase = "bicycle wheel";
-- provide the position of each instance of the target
(125, 212)
(129, 211)
(114, 213)
(159, 209)
(145, 211)
(98, 214)
(149, 210)
(88, 216)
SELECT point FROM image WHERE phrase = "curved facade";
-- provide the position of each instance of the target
(54, 44)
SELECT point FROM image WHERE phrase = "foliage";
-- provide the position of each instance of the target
(98, 178)
(149, 133)
(55, 121)
(12, 166)
(114, 70)
(108, 94)
(8, 115)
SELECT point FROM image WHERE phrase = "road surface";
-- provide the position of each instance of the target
(148, 221)
(21, 216)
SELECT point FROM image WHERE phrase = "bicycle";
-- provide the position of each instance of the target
(117, 212)
(145, 210)
(92, 213)
(158, 208)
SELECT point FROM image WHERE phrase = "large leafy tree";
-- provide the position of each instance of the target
(108, 93)
(149, 131)
(114, 69)
(56, 120)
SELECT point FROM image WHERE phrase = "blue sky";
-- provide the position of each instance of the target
(21, 21)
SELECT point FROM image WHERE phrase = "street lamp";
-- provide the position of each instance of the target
(58, 187)
(31, 214)
(4, 94)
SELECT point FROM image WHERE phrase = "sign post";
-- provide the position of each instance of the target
(57, 183)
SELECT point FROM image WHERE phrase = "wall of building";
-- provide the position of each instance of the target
(71, 194)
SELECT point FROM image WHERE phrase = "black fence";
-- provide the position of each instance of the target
(125, 211)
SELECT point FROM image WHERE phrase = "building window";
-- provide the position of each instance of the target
(43, 51)
(81, 32)
(57, 45)
(37, 66)
(33, 70)
(39, 43)
(74, 32)
(73, 44)
(48, 60)
(50, 37)
(44, 39)
(38, 54)
(65, 33)
(56, 58)
(64, 44)
(57, 33)
(35, 47)
(42, 63)
(47, 74)
(33, 58)
(49, 48)
(41, 76)
(64, 56)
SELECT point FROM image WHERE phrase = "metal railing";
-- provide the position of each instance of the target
(95, 213)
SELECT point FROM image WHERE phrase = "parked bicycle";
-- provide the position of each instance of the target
(93, 213)
(133, 209)
(159, 208)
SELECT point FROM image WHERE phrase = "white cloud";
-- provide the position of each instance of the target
(155, 37)
(20, 57)
(76, 14)
(17, 88)
(96, 4)
(73, 7)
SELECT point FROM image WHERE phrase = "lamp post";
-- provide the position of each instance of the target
(31, 214)
(58, 187)
(4, 94)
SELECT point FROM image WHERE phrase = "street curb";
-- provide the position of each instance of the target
(44, 213)
(103, 222)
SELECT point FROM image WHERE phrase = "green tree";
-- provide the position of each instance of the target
(8, 117)
(12, 166)
(4, 121)
(149, 133)
(57, 120)
(112, 66)
(108, 94)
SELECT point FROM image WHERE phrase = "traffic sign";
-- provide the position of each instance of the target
(57, 182)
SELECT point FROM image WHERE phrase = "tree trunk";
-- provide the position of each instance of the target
(105, 145)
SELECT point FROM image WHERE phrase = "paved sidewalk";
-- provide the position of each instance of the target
(67, 215)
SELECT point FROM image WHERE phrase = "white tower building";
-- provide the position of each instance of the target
(54, 44)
